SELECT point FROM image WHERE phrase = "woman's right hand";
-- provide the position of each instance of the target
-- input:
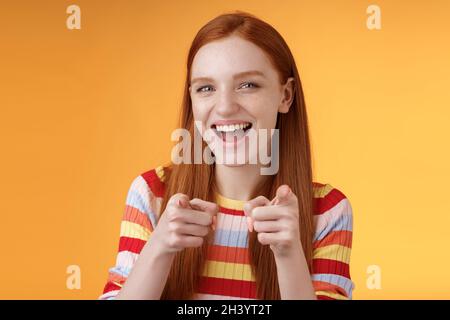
(183, 224)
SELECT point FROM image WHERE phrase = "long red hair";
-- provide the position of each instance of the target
(197, 180)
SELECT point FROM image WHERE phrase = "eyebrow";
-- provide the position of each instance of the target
(236, 76)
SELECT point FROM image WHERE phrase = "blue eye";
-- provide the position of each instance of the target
(201, 89)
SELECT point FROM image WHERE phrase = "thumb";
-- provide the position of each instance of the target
(256, 202)
(250, 205)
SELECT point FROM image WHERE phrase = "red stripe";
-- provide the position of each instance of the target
(228, 254)
(341, 237)
(131, 244)
(110, 287)
(331, 266)
(320, 297)
(328, 287)
(155, 184)
(233, 212)
(323, 204)
(227, 287)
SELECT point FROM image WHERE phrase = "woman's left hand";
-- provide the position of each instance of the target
(276, 221)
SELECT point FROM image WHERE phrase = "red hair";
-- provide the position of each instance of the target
(197, 180)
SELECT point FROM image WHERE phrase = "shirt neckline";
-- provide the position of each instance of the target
(228, 202)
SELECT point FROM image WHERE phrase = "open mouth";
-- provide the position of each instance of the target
(232, 132)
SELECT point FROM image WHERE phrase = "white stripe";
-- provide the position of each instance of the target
(231, 222)
(126, 259)
(109, 295)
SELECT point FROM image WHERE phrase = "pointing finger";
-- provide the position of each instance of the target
(202, 205)
(208, 207)
(284, 195)
(180, 200)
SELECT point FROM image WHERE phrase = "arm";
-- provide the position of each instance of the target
(137, 226)
(277, 224)
(146, 254)
(152, 268)
(181, 226)
(332, 246)
(294, 278)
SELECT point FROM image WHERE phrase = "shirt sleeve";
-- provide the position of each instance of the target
(332, 246)
(138, 222)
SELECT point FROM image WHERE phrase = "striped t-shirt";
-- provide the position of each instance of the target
(227, 274)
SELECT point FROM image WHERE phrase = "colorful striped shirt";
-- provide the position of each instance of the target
(227, 274)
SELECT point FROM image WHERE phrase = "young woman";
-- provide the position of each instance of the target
(224, 230)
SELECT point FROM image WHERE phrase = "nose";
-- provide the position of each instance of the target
(226, 104)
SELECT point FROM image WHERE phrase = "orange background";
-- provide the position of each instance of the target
(85, 111)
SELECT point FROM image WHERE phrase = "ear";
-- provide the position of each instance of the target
(288, 93)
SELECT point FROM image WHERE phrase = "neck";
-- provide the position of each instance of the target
(238, 182)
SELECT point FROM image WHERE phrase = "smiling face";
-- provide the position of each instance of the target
(234, 88)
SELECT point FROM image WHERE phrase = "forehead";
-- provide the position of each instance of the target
(228, 56)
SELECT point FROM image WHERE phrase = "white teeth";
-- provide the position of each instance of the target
(232, 127)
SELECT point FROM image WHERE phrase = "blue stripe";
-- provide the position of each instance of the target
(120, 270)
(231, 238)
(135, 199)
(343, 222)
(343, 282)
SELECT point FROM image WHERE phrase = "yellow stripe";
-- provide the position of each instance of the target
(117, 284)
(334, 252)
(332, 295)
(134, 230)
(234, 271)
(320, 192)
(229, 203)
(160, 173)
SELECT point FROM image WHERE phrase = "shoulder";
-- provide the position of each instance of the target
(146, 192)
(327, 197)
(332, 211)
(154, 179)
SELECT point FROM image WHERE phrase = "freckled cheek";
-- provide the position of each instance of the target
(201, 112)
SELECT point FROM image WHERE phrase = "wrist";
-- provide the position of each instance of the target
(293, 251)
(154, 247)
